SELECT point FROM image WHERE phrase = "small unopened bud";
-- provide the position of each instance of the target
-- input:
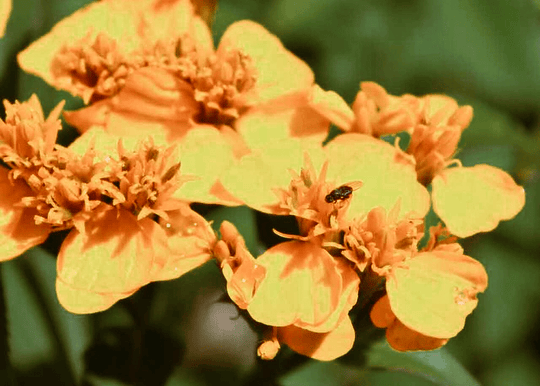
(268, 349)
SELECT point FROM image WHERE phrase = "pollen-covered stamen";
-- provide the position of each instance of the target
(380, 240)
(147, 178)
(95, 69)
(219, 84)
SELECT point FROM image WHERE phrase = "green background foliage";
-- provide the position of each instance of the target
(186, 333)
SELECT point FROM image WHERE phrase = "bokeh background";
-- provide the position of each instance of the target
(185, 332)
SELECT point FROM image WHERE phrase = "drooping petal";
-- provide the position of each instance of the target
(302, 284)
(129, 23)
(279, 72)
(114, 256)
(18, 230)
(386, 174)
(322, 346)
(5, 11)
(475, 199)
(433, 292)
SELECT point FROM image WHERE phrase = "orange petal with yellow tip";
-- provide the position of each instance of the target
(131, 23)
(302, 284)
(475, 199)
(18, 231)
(386, 175)
(322, 346)
(278, 72)
(114, 255)
(433, 292)
(5, 10)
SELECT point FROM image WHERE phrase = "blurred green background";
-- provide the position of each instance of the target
(483, 53)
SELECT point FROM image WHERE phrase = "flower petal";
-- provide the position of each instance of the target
(302, 284)
(18, 231)
(333, 107)
(268, 170)
(322, 346)
(475, 199)
(402, 338)
(433, 292)
(5, 10)
(279, 72)
(130, 23)
(386, 174)
(114, 256)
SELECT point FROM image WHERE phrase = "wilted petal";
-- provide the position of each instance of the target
(302, 284)
(433, 292)
(279, 72)
(18, 230)
(475, 199)
(386, 174)
(114, 256)
(322, 346)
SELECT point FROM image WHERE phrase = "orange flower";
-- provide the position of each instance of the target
(162, 75)
(468, 200)
(5, 10)
(428, 298)
(128, 229)
(319, 290)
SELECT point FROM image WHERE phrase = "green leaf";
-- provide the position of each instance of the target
(42, 334)
(439, 366)
(334, 373)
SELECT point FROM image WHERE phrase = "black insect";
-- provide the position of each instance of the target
(342, 193)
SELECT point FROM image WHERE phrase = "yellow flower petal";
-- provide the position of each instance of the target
(259, 127)
(475, 199)
(267, 170)
(113, 256)
(433, 292)
(333, 107)
(18, 231)
(279, 72)
(80, 301)
(5, 10)
(386, 174)
(302, 284)
(322, 346)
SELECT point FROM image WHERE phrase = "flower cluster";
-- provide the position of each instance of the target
(245, 124)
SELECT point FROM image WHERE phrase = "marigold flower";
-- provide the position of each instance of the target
(320, 292)
(164, 77)
(429, 293)
(5, 10)
(128, 229)
(469, 200)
